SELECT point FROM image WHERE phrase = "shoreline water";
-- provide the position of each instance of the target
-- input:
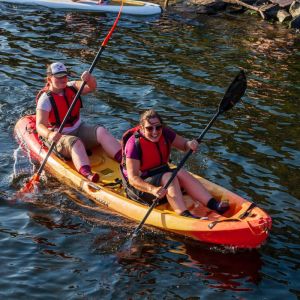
(284, 12)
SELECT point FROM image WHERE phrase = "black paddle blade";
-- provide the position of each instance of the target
(234, 93)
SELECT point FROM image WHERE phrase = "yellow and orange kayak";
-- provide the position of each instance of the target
(244, 226)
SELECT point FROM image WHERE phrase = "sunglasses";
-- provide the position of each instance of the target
(151, 128)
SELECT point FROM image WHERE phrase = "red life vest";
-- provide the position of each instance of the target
(152, 155)
(60, 105)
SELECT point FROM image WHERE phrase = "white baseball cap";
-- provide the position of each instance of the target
(57, 69)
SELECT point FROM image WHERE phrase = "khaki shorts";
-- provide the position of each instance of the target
(86, 133)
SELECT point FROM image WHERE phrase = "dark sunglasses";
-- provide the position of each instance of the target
(151, 128)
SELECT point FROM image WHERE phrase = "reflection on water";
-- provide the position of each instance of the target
(236, 271)
(229, 271)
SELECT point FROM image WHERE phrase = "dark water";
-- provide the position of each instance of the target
(59, 246)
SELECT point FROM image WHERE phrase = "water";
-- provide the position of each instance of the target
(23, 165)
(60, 245)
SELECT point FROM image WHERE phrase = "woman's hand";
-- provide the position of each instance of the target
(159, 192)
(183, 144)
(86, 76)
(193, 145)
(53, 136)
(90, 81)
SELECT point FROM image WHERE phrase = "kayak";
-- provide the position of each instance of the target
(244, 225)
(112, 6)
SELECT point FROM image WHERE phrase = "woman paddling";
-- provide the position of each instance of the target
(146, 151)
(53, 102)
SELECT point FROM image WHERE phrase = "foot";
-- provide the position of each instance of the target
(219, 206)
(94, 177)
(87, 173)
(222, 207)
(187, 214)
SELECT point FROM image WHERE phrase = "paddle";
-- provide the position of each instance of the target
(35, 178)
(233, 94)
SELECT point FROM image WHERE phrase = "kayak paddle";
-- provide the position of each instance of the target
(233, 94)
(35, 178)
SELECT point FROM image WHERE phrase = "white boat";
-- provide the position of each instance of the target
(131, 7)
(244, 225)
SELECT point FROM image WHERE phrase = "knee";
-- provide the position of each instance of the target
(77, 144)
(183, 174)
(101, 132)
(166, 177)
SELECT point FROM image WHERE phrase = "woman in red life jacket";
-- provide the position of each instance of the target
(146, 150)
(53, 102)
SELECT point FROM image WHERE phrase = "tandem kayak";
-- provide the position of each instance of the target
(131, 7)
(244, 226)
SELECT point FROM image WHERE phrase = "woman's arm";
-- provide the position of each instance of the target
(90, 85)
(183, 144)
(42, 117)
(133, 167)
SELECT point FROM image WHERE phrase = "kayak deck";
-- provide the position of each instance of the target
(244, 226)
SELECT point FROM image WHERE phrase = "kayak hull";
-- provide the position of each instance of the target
(130, 6)
(231, 229)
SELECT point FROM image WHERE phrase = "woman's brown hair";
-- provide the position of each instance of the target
(149, 114)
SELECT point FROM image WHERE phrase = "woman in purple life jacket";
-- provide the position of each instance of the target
(53, 102)
(144, 184)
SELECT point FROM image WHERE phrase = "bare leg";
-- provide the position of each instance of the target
(79, 156)
(174, 194)
(110, 145)
(193, 187)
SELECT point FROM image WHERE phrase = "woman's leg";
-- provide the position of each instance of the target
(110, 145)
(197, 191)
(79, 156)
(82, 162)
(193, 187)
(174, 194)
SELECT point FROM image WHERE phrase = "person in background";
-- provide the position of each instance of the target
(146, 150)
(53, 102)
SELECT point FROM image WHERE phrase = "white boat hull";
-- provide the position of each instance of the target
(130, 6)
